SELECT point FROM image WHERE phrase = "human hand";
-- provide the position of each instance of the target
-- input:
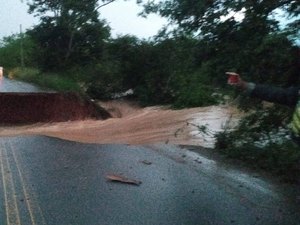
(234, 79)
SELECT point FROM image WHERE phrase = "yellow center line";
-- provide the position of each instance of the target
(28, 198)
(14, 194)
(4, 187)
(26, 195)
(11, 205)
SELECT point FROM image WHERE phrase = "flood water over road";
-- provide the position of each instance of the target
(139, 126)
(132, 124)
(50, 181)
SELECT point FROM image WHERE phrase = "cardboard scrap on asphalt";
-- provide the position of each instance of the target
(122, 179)
(146, 162)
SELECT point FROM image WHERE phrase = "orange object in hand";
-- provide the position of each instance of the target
(233, 78)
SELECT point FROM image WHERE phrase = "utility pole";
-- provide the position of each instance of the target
(21, 50)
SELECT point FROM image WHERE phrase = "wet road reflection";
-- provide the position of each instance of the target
(62, 182)
(8, 85)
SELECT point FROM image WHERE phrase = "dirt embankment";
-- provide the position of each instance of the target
(25, 108)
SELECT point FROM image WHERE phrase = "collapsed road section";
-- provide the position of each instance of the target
(23, 108)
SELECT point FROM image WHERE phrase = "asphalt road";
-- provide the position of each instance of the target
(48, 181)
(8, 85)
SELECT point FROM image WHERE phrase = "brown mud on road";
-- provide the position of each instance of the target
(132, 124)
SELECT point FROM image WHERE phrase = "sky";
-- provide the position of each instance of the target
(120, 15)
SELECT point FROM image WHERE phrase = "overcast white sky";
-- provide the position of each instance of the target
(121, 16)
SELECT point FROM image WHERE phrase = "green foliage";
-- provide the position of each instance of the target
(281, 159)
(130, 55)
(195, 96)
(182, 68)
(10, 51)
(49, 81)
(103, 80)
(166, 68)
(275, 59)
(26, 74)
(69, 34)
(207, 16)
(261, 141)
(252, 45)
(194, 91)
(257, 128)
(57, 82)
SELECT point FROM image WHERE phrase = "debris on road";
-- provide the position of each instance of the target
(121, 179)
(198, 161)
(146, 162)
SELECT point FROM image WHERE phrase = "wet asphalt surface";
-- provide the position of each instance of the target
(48, 181)
(9, 85)
(55, 182)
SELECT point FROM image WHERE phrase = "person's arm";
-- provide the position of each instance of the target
(288, 96)
(284, 96)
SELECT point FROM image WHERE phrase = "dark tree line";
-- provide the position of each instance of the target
(181, 65)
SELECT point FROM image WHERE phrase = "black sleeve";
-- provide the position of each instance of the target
(287, 96)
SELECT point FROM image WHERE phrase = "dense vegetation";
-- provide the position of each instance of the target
(71, 49)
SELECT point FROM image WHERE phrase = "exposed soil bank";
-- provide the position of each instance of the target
(24, 108)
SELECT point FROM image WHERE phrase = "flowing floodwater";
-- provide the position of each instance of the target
(132, 124)
(178, 177)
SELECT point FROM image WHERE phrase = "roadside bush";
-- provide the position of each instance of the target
(262, 141)
(59, 83)
(103, 80)
(10, 51)
(195, 96)
(26, 74)
(282, 159)
(45, 80)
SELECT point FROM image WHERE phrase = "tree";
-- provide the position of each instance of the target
(10, 51)
(69, 34)
(227, 41)
(195, 15)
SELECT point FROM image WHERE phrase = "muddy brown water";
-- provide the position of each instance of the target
(131, 124)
